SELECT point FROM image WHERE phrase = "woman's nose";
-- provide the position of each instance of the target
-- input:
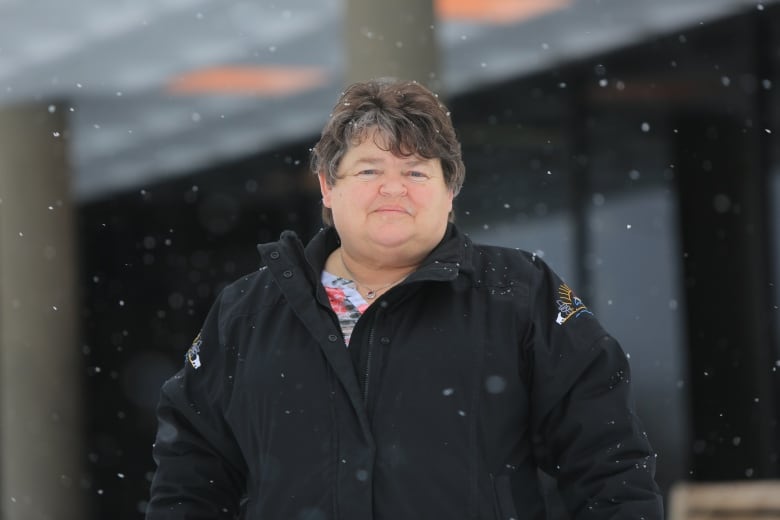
(393, 184)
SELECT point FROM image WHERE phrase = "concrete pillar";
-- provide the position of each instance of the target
(41, 440)
(391, 39)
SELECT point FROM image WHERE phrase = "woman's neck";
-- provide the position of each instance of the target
(366, 273)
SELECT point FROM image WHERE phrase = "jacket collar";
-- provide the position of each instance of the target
(452, 255)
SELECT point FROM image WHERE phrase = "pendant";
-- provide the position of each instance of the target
(370, 295)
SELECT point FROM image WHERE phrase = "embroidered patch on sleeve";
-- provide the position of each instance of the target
(193, 354)
(569, 305)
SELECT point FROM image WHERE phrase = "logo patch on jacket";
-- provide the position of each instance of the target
(193, 354)
(569, 305)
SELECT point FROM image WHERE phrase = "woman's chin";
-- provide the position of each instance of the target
(391, 236)
(392, 242)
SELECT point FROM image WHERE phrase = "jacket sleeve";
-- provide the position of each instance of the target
(200, 471)
(586, 432)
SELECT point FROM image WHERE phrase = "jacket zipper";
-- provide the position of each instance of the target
(367, 372)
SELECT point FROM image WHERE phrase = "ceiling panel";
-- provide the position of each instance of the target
(112, 64)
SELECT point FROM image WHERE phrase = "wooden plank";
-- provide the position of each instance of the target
(759, 500)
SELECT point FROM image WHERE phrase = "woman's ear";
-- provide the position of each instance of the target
(324, 189)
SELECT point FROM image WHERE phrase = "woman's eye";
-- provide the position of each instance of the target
(367, 174)
(417, 176)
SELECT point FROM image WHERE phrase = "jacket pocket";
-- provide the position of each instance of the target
(505, 504)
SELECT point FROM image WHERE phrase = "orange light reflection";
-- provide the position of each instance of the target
(496, 11)
(248, 80)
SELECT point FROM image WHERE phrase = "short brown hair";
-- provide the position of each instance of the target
(409, 117)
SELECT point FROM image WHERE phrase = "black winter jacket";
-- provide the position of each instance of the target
(478, 369)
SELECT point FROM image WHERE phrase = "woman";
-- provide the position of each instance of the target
(392, 368)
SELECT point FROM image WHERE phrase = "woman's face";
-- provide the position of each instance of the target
(384, 204)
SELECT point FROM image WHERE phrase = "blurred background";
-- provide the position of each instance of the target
(146, 146)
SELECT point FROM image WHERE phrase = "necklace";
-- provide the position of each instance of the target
(371, 293)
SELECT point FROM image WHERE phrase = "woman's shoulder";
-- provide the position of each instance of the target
(248, 293)
(506, 262)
